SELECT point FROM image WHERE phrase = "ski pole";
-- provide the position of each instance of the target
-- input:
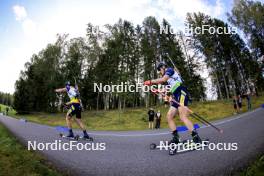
(218, 129)
(192, 113)
(193, 116)
(171, 61)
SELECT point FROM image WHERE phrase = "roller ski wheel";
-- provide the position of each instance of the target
(69, 138)
(153, 146)
(86, 139)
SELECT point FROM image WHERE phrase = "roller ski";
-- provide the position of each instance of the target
(175, 140)
(177, 146)
(69, 137)
(85, 138)
(76, 137)
(181, 147)
(187, 145)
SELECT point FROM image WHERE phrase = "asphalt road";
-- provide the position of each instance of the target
(128, 153)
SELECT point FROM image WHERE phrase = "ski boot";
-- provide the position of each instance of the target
(175, 140)
(196, 137)
(86, 136)
(70, 135)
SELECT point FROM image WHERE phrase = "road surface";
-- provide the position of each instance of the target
(128, 153)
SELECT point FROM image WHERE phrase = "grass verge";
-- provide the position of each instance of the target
(255, 169)
(16, 160)
(3, 110)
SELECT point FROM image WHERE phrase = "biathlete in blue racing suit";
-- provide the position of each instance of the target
(74, 109)
(180, 95)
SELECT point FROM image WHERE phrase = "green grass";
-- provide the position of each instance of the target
(255, 169)
(3, 110)
(137, 119)
(15, 159)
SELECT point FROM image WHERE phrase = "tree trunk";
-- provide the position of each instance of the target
(97, 102)
(218, 86)
(124, 103)
(232, 81)
(226, 88)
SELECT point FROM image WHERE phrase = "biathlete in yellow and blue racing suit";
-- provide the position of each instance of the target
(180, 95)
(179, 92)
(75, 105)
(74, 108)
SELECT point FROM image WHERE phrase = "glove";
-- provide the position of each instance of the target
(147, 83)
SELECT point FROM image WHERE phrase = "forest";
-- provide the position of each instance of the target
(127, 52)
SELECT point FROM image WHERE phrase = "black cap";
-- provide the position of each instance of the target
(67, 83)
(161, 64)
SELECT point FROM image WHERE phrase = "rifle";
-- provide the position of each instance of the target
(78, 93)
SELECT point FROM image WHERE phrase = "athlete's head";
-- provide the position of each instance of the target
(162, 67)
(68, 85)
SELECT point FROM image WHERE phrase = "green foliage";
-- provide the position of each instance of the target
(6, 99)
(228, 58)
(3, 109)
(16, 160)
(123, 54)
(249, 17)
(35, 87)
(255, 169)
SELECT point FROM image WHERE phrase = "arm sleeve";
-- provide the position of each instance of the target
(169, 71)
